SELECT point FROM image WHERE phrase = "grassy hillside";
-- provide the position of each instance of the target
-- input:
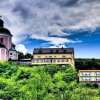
(43, 82)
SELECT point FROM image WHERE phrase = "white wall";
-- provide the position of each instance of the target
(13, 55)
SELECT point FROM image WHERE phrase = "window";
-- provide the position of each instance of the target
(38, 56)
(64, 51)
(58, 60)
(53, 60)
(1, 40)
(36, 60)
(98, 73)
(50, 56)
(66, 60)
(48, 60)
(61, 60)
(97, 79)
(69, 59)
(10, 53)
(57, 51)
(85, 73)
(63, 56)
(51, 51)
(40, 51)
(45, 60)
(46, 56)
(85, 79)
(40, 60)
(6, 52)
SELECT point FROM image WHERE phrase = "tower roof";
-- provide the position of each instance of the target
(4, 30)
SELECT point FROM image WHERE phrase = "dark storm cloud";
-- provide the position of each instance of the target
(22, 11)
(88, 1)
(65, 2)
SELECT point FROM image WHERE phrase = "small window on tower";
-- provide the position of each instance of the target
(1, 40)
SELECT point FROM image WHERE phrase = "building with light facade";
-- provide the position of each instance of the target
(7, 48)
(89, 76)
(53, 56)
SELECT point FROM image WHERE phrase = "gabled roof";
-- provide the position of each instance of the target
(53, 50)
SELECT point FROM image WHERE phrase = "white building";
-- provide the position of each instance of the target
(53, 56)
(13, 54)
(89, 76)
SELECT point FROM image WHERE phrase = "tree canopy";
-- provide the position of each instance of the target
(43, 82)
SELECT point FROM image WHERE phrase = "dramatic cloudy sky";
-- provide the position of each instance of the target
(52, 23)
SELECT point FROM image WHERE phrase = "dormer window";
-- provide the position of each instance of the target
(51, 51)
(57, 51)
(64, 51)
(40, 51)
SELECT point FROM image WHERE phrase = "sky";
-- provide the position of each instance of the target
(54, 23)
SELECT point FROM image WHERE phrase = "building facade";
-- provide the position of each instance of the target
(89, 76)
(13, 54)
(3, 53)
(6, 45)
(53, 56)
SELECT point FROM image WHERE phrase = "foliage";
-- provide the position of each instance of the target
(87, 63)
(43, 82)
(26, 56)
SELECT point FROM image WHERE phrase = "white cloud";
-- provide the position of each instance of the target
(54, 40)
(58, 46)
(21, 48)
(36, 18)
(56, 30)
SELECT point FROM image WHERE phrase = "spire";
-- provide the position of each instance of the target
(1, 22)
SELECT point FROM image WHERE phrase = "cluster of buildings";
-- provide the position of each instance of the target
(44, 56)
(65, 56)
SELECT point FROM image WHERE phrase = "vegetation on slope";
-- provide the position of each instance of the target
(87, 63)
(43, 82)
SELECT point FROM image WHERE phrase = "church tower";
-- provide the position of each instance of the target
(7, 49)
(5, 35)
